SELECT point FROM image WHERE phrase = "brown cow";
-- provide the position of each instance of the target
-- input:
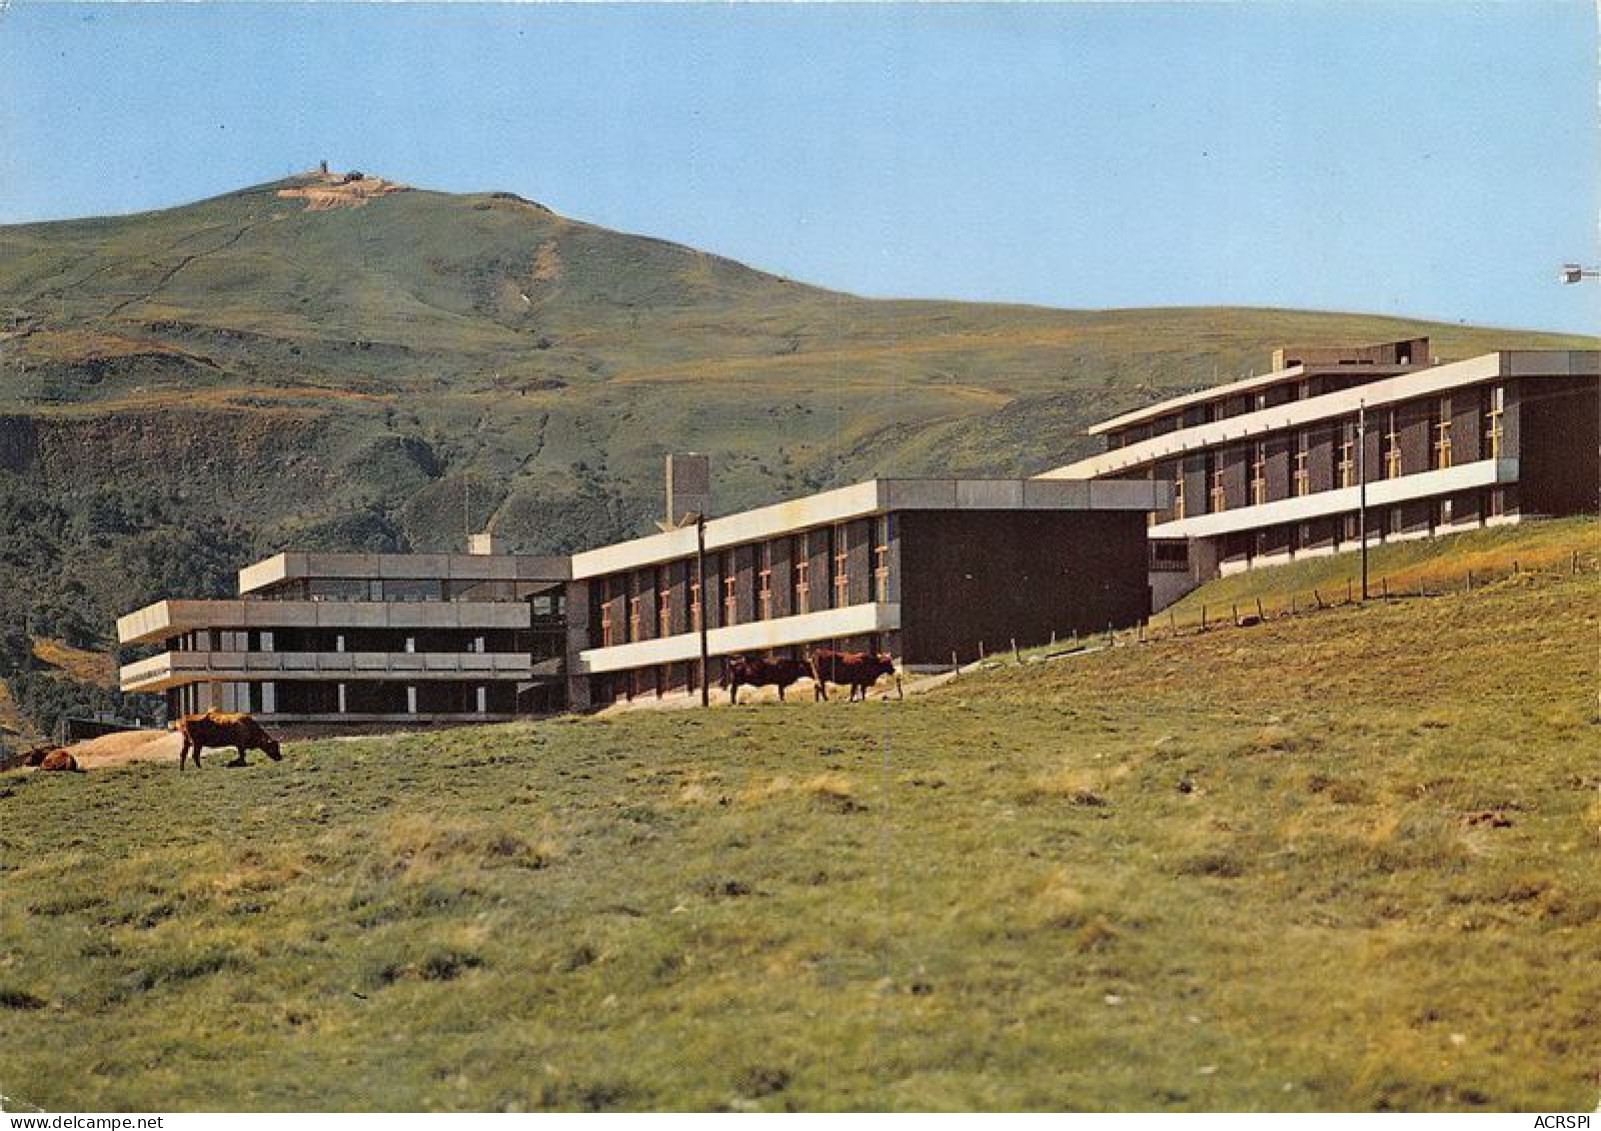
(50, 758)
(858, 669)
(214, 728)
(740, 670)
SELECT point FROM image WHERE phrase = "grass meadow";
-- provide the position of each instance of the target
(1342, 861)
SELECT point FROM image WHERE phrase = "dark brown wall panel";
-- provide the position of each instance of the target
(1279, 464)
(1467, 425)
(990, 576)
(1557, 462)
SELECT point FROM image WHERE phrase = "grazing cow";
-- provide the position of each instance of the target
(858, 669)
(740, 670)
(36, 756)
(214, 728)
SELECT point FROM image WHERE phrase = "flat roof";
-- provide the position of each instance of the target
(293, 565)
(873, 497)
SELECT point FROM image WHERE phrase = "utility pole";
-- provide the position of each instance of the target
(700, 583)
(1362, 487)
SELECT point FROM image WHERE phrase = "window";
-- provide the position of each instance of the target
(1170, 556)
(1258, 473)
(1178, 494)
(608, 628)
(694, 599)
(413, 589)
(482, 696)
(664, 601)
(1392, 446)
(411, 699)
(1442, 435)
(1494, 420)
(764, 582)
(1345, 465)
(634, 611)
(730, 574)
(1218, 498)
(842, 578)
(1301, 475)
(803, 567)
(880, 581)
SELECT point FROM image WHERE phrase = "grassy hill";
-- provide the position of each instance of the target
(183, 390)
(1334, 862)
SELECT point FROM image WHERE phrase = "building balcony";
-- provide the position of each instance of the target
(1343, 500)
(171, 669)
(166, 619)
(757, 636)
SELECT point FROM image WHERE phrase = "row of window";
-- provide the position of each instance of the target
(1348, 470)
(404, 590)
(1225, 408)
(1417, 517)
(267, 697)
(749, 571)
(539, 642)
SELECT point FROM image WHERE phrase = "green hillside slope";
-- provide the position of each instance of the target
(1337, 862)
(181, 390)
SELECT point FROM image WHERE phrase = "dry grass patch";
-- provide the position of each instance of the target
(833, 789)
(418, 846)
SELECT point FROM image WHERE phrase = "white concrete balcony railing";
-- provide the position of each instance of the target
(757, 636)
(170, 669)
(1343, 500)
(166, 619)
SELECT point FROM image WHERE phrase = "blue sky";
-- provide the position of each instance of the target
(1430, 159)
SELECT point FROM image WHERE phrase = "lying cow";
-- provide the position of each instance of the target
(214, 728)
(51, 758)
(861, 670)
(740, 670)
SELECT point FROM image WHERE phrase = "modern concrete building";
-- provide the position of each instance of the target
(364, 638)
(926, 569)
(1279, 466)
(1263, 470)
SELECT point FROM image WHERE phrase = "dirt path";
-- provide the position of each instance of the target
(128, 746)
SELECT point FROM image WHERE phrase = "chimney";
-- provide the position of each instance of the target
(485, 544)
(689, 487)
